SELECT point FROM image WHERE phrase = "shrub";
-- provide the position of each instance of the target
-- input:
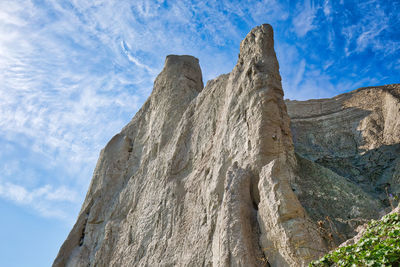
(379, 246)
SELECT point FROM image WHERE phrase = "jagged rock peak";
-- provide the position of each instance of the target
(257, 49)
(181, 69)
(260, 40)
(187, 66)
(198, 177)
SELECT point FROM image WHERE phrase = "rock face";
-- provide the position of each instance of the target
(348, 149)
(209, 176)
(356, 135)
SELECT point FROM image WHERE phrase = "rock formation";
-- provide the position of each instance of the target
(210, 176)
(348, 149)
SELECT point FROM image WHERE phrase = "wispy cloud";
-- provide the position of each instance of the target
(59, 87)
(125, 47)
(303, 22)
(372, 29)
(327, 8)
(45, 200)
(22, 196)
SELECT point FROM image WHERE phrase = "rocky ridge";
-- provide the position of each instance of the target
(211, 177)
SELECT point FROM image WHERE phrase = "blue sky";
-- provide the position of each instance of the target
(73, 73)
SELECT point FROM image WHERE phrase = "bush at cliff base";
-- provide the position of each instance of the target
(379, 246)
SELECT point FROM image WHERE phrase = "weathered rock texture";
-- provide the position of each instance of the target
(348, 151)
(209, 176)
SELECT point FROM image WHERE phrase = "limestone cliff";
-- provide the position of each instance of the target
(345, 145)
(209, 176)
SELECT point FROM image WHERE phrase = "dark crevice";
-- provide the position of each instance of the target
(257, 235)
(191, 79)
(255, 205)
(130, 236)
(81, 239)
(255, 199)
(85, 222)
(254, 192)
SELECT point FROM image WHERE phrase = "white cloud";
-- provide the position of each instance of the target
(146, 8)
(368, 37)
(300, 74)
(327, 9)
(62, 99)
(303, 22)
(43, 199)
(62, 194)
(368, 31)
(135, 60)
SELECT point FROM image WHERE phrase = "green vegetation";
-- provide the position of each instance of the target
(379, 246)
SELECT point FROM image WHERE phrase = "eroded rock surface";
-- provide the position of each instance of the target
(209, 176)
(348, 150)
